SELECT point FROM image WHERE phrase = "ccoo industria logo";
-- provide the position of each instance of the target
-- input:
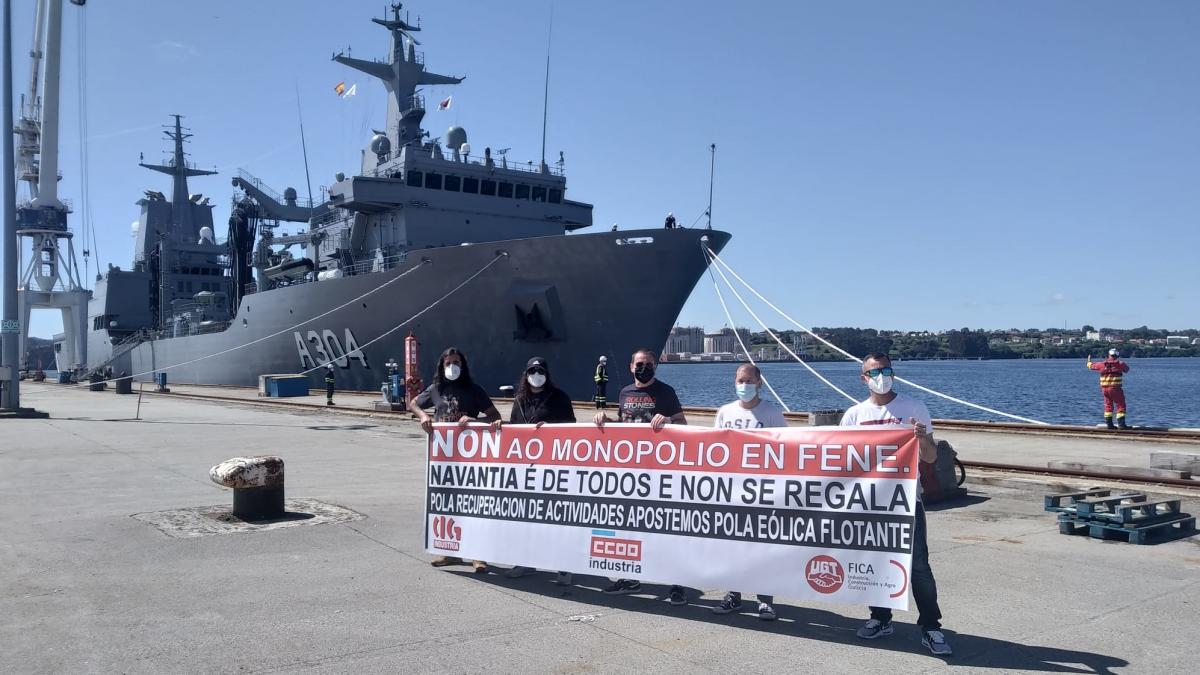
(447, 535)
(824, 574)
(613, 554)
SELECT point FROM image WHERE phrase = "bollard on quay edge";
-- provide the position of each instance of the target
(257, 484)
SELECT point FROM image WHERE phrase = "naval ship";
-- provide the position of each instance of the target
(393, 242)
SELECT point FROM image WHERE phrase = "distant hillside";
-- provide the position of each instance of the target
(40, 350)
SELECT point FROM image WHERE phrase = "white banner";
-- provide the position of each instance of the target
(820, 513)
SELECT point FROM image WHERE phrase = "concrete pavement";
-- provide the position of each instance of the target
(88, 588)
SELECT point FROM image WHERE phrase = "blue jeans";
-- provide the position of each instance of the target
(924, 588)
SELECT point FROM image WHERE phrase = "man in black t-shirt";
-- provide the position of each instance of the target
(649, 401)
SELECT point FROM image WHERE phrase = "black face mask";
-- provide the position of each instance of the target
(644, 372)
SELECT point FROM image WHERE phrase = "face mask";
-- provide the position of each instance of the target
(536, 380)
(644, 372)
(746, 392)
(452, 371)
(880, 384)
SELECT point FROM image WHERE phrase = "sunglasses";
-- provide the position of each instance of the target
(876, 372)
(536, 370)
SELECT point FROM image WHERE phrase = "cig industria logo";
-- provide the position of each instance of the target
(447, 535)
(611, 553)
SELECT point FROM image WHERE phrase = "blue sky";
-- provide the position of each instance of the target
(916, 165)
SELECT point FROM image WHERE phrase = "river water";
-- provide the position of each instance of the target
(1159, 392)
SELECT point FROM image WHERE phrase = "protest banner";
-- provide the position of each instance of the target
(820, 513)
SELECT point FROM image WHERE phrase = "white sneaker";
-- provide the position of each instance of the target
(564, 579)
(875, 629)
(936, 643)
(766, 612)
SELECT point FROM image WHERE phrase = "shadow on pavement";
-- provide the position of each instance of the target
(810, 623)
(970, 499)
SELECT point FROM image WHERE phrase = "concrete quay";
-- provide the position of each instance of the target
(91, 584)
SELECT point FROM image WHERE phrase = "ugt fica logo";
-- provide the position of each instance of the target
(824, 574)
(446, 534)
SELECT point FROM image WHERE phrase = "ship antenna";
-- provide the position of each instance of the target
(712, 167)
(546, 90)
(304, 149)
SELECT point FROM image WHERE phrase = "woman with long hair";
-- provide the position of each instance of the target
(454, 397)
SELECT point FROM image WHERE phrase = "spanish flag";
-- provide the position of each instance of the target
(340, 88)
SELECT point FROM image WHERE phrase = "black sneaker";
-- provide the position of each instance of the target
(730, 604)
(623, 587)
(766, 612)
(875, 629)
(676, 596)
(935, 642)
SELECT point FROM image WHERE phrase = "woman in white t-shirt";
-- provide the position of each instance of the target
(749, 411)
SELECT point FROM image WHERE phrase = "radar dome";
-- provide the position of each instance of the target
(380, 145)
(339, 176)
(206, 235)
(455, 137)
(289, 194)
(133, 228)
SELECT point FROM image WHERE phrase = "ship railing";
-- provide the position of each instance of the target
(326, 219)
(373, 265)
(269, 191)
(414, 102)
(394, 167)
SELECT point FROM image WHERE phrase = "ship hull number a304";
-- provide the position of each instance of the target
(316, 348)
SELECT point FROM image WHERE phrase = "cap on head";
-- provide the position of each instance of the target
(536, 361)
(603, 359)
(328, 366)
(1113, 352)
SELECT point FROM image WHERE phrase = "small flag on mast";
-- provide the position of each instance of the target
(351, 91)
(340, 88)
(445, 104)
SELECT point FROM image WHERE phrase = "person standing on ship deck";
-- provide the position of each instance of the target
(885, 406)
(454, 397)
(652, 402)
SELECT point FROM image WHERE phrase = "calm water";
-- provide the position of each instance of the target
(1159, 392)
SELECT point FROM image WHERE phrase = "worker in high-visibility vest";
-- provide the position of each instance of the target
(329, 380)
(601, 378)
(1111, 370)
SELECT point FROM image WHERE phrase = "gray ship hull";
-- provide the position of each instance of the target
(594, 294)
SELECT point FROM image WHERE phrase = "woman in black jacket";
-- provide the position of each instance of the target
(539, 402)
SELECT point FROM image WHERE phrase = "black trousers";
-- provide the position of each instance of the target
(329, 392)
(601, 397)
(924, 588)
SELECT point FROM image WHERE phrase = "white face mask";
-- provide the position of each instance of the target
(452, 371)
(536, 380)
(880, 384)
(746, 392)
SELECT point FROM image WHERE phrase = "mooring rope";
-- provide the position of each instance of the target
(763, 324)
(745, 351)
(721, 263)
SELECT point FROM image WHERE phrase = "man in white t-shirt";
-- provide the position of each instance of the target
(749, 411)
(885, 406)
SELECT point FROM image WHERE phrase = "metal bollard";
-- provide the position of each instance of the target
(257, 484)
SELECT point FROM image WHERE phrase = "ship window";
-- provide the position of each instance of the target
(415, 179)
(433, 181)
(539, 194)
(522, 192)
(452, 183)
(487, 187)
(555, 196)
(506, 190)
(471, 185)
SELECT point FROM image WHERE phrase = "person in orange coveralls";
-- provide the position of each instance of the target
(1111, 370)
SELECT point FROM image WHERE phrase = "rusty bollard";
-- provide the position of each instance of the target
(257, 484)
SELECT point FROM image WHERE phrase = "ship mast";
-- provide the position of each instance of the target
(179, 171)
(401, 76)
